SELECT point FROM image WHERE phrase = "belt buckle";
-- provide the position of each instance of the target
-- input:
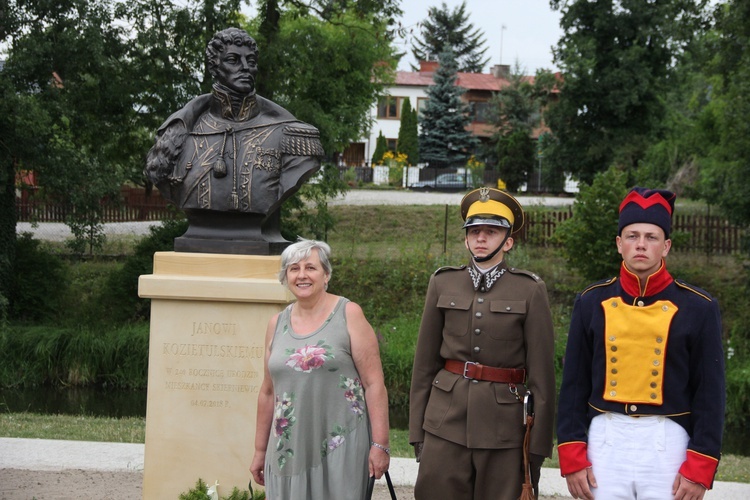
(466, 369)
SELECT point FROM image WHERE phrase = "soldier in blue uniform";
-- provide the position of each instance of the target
(485, 342)
(641, 407)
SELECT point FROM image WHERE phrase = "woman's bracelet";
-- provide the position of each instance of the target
(386, 450)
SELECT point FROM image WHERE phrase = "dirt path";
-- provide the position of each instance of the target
(75, 484)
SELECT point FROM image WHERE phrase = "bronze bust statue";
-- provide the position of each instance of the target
(230, 158)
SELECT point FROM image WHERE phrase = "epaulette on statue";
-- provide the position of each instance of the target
(450, 268)
(301, 140)
(694, 289)
(524, 272)
(599, 284)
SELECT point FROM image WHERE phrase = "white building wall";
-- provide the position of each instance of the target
(390, 127)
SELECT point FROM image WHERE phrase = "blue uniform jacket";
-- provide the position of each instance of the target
(658, 354)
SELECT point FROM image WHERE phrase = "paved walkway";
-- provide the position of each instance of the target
(57, 455)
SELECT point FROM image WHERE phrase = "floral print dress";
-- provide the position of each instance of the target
(320, 433)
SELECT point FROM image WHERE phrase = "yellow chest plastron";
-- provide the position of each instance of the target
(636, 344)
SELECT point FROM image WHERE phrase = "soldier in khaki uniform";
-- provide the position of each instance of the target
(486, 339)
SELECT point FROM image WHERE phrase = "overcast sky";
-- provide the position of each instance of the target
(531, 29)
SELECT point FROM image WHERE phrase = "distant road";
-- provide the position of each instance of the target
(377, 197)
(58, 231)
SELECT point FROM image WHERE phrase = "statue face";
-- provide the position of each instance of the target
(237, 69)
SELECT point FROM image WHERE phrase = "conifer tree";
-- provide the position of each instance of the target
(444, 140)
(408, 138)
(445, 29)
(381, 146)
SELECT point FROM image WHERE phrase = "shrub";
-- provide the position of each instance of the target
(588, 237)
(122, 295)
(38, 284)
(200, 492)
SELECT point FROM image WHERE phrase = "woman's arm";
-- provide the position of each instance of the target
(366, 356)
(265, 411)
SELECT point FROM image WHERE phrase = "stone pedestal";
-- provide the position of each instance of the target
(208, 320)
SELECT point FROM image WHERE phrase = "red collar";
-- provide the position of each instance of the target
(654, 283)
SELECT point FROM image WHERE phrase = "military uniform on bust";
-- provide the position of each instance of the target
(486, 339)
(230, 158)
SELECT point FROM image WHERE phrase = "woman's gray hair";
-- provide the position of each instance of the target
(301, 250)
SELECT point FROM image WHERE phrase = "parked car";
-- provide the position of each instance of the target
(446, 182)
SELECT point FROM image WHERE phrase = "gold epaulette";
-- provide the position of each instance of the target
(450, 268)
(301, 141)
(694, 289)
(599, 284)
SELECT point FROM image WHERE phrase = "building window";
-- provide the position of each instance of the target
(392, 143)
(480, 111)
(388, 107)
(421, 103)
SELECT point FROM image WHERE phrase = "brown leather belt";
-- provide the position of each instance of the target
(475, 371)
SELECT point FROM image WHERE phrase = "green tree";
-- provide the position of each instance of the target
(445, 29)
(588, 237)
(408, 134)
(616, 58)
(515, 114)
(726, 119)
(68, 59)
(381, 146)
(356, 17)
(443, 139)
(329, 74)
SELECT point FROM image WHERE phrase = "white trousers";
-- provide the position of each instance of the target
(635, 458)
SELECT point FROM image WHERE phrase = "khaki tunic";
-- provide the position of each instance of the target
(507, 326)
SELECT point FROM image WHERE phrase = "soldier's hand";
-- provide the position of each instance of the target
(418, 450)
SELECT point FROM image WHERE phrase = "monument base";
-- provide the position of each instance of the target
(240, 233)
(207, 343)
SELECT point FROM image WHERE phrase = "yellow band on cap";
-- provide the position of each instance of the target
(490, 207)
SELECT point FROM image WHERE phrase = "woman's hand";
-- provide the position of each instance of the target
(256, 468)
(379, 462)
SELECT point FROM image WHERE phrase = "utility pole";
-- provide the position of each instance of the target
(502, 29)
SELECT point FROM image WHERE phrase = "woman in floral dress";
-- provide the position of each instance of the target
(322, 427)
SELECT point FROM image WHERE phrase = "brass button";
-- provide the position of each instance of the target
(640, 303)
(613, 359)
(477, 331)
(613, 393)
(656, 362)
(654, 372)
(665, 308)
(614, 304)
(659, 340)
(633, 408)
(480, 300)
(614, 371)
(612, 338)
(613, 383)
(477, 349)
(453, 304)
(478, 315)
(653, 396)
(653, 385)
(614, 348)
(657, 351)
(507, 308)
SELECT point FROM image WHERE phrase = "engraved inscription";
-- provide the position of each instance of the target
(213, 370)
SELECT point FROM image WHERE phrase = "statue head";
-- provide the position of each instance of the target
(232, 60)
